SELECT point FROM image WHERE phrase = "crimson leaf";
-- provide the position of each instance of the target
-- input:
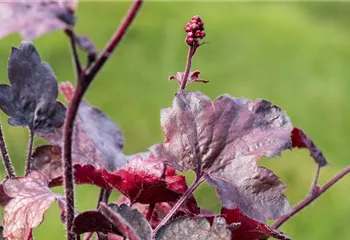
(222, 141)
(194, 229)
(96, 139)
(301, 140)
(31, 197)
(34, 18)
(31, 98)
(47, 160)
(249, 229)
(142, 181)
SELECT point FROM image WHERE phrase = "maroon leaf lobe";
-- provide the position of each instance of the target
(301, 140)
(249, 229)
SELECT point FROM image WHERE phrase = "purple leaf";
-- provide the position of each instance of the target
(130, 219)
(31, 197)
(194, 229)
(97, 141)
(222, 141)
(47, 159)
(34, 18)
(31, 98)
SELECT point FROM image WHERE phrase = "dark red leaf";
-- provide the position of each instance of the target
(142, 181)
(97, 141)
(301, 140)
(121, 220)
(222, 141)
(34, 18)
(93, 221)
(47, 160)
(249, 229)
(31, 197)
(194, 229)
(30, 101)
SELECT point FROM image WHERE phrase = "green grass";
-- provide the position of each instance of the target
(294, 54)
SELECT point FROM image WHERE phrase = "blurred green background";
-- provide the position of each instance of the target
(295, 54)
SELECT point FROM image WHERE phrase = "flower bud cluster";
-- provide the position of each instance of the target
(195, 31)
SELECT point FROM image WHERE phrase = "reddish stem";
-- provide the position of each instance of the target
(179, 203)
(5, 156)
(311, 197)
(116, 38)
(191, 51)
(84, 79)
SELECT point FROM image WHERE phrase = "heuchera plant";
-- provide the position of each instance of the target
(219, 140)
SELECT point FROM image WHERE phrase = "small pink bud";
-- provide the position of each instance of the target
(190, 34)
(188, 29)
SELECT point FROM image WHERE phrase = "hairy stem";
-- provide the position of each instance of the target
(191, 51)
(116, 38)
(29, 151)
(6, 157)
(70, 33)
(179, 203)
(67, 156)
(311, 197)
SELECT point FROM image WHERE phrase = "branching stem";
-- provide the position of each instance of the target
(6, 157)
(311, 197)
(116, 38)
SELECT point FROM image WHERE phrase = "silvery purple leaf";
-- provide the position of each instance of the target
(222, 142)
(194, 229)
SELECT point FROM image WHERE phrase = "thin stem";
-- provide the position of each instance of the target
(191, 51)
(70, 33)
(6, 157)
(179, 203)
(30, 150)
(116, 38)
(310, 198)
(150, 211)
(314, 185)
(67, 156)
